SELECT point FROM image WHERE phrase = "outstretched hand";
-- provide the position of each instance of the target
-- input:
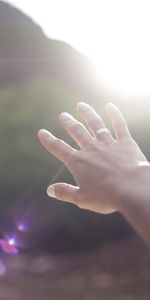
(101, 164)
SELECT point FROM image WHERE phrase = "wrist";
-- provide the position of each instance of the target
(133, 185)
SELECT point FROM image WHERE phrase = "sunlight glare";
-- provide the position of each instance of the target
(11, 242)
(115, 34)
(120, 47)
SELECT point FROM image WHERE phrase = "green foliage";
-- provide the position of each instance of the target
(24, 110)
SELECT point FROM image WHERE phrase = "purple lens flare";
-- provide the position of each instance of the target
(8, 246)
(21, 227)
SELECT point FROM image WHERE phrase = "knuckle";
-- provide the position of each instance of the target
(57, 143)
(76, 127)
(121, 125)
(96, 122)
(127, 140)
(132, 142)
(78, 200)
(73, 160)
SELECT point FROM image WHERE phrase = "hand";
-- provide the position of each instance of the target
(102, 163)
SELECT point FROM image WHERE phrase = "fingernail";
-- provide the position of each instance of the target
(43, 133)
(65, 117)
(51, 191)
(110, 105)
(82, 105)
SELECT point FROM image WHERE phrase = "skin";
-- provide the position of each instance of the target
(110, 174)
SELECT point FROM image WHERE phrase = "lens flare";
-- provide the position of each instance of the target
(11, 242)
(21, 227)
(8, 246)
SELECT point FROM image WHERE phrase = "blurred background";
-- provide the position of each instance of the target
(52, 55)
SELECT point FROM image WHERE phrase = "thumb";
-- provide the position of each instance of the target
(63, 191)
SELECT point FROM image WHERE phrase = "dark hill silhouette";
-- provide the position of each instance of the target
(21, 38)
(25, 51)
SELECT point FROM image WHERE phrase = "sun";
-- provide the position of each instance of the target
(124, 72)
(120, 46)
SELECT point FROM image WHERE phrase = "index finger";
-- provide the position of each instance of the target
(57, 147)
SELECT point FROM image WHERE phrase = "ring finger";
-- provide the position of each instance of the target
(95, 123)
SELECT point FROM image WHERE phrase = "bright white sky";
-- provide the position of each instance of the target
(115, 33)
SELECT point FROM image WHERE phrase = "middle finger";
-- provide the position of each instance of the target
(95, 123)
